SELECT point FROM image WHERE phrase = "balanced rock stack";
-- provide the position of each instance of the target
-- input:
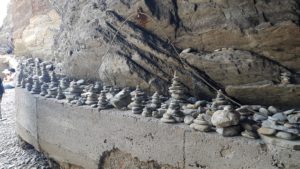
(23, 83)
(45, 78)
(29, 83)
(173, 114)
(155, 101)
(219, 102)
(60, 94)
(226, 121)
(37, 68)
(103, 102)
(97, 87)
(147, 111)
(138, 101)
(36, 87)
(201, 124)
(92, 97)
(20, 76)
(73, 92)
(54, 80)
(161, 111)
(283, 125)
(177, 90)
(52, 92)
(64, 83)
(44, 89)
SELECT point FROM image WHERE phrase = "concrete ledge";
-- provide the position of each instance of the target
(82, 135)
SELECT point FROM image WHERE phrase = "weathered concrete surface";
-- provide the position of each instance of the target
(27, 118)
(84, 136)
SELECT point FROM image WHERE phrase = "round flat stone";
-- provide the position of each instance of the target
(285, 135)
(266, 131)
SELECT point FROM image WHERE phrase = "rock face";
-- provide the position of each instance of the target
(79, 33)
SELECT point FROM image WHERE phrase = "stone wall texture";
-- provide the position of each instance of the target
(82, 137)
(234, 42)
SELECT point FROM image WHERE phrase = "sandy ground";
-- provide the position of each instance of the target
(13, 153)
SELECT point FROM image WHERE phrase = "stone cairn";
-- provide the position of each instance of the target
(174, 114)
(37, 69)
(64, 83)
(201, 124)
(44, 89)
(138, 101)
(154, 105)
(284, 125)
(73, 92)
(227, 121)
(53, 81)
(29, 83)
(52, 92)
(103, 102)
(20, 76)
(160, 112)
(60, 94)
(92, 97)
(45, 78)
(23, 83)
(36, 87)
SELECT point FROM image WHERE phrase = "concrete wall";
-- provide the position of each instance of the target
(82, 136)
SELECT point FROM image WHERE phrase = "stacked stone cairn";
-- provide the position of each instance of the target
(201, 123)
(92, 97)
(64, 83)
(36, 87)
(73, 92)
(23, 83)
(54, 80)
(161, 111)
(29, 83)
(154, 105)
(20, 76)
(103, 102)
(284, 125)
(44, 89)
(174, 114)
(37, 69)
(226, 121)
(138, 101)
(97, 87)
(45, 78)
(248, 124)
(60, 95)
(51, 92)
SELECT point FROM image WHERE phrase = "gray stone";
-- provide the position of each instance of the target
(121, 99)
(229, 131)
(272, 109)
(294, 118)
(287, 112)
(285, 135)
(225, 118)
(264, 111)
(266, 131)
(270, 124)
(250, 134)
(259, 118)
(278, 117)
(188, 119)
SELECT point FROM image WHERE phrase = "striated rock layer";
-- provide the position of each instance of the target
(78, 34)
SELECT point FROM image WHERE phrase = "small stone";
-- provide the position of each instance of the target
(80, 82)
(264, 111)
(200, 103)
(272, 109)
(147, 111)
(294, 118)
(229, 131)
(188, 119)
(94, 106)
(266, 131)
(187, 50)
(250, 134)
(285, 135)
(203, 128)
(288, 112)
(259, 118)
(278, 117)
